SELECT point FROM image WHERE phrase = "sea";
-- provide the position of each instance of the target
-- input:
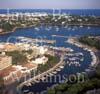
(95, 12)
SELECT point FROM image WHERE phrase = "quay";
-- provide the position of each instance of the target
(37, 40)
(42, 75)
(62, 49)
(60, 36)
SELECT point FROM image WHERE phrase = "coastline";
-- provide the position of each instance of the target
(92, 50)
(80, 24)
(14, 29)
(19, 87)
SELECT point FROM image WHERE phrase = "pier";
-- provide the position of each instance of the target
(37, 40)
(60, 36)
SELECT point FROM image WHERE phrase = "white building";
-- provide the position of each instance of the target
(42, 50)
(41, 60)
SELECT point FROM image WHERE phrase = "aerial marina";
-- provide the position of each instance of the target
(40, 54)
(71, 58)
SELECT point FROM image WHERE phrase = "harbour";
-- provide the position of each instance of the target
(79, 54)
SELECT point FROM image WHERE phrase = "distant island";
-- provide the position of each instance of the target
(9, 23)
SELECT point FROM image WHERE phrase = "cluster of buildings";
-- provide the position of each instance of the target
(10, 71)
(23, 16)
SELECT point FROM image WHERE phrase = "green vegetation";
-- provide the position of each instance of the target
(78, 88)
(52, 60)
(7, 27)
(27, 51)
(21, 21)
(90, 41)
(68, 19)
(17, 57)
(90, 83)
(42, 68)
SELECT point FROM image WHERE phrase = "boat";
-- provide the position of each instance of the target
(57, 29)
(33, 82)
(61, 67)
(48, 28)
(66, 26)
(81, 59)
(37, 80)
(50, 74)
(81, 26)
(25, 91)
(54, 72)
(89, 27)
(58, 70)
(69, 64)
(36, 28)
(28, 84)
(83, 72)
(87, 70)
(43, 78)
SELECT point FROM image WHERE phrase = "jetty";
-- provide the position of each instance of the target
(37, 40)
(60, 36)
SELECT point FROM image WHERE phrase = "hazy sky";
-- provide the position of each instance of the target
(51, 4)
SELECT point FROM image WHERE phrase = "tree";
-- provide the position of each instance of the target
(17, 57)
(51, 91)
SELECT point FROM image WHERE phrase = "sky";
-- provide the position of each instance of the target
(50, 4)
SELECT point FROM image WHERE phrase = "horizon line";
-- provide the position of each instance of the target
(55, 8)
